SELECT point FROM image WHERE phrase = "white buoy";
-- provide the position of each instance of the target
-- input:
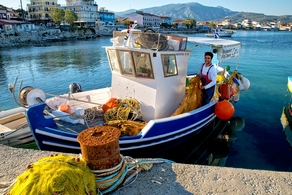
(245, 83)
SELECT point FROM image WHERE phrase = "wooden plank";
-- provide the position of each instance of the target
(4, 128)
(12, 117)
(16, 124)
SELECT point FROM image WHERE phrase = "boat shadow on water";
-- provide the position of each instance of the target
(208, 147)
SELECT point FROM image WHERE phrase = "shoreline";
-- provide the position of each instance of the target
(44, 37)
(40, 38)
(166, 178)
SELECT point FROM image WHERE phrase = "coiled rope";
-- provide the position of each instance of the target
(127, 109)
(124, 174)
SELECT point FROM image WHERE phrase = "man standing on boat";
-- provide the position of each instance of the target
(207, 73)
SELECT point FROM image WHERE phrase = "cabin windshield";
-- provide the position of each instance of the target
(113, 59)
(143, 64)
(126, 62)
(169, 64)
(131, 63)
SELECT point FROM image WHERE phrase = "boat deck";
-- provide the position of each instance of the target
(98, 120)
(12, 122)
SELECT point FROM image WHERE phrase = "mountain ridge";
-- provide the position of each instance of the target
(201, 13)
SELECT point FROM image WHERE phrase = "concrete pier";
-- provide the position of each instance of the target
(168, 178)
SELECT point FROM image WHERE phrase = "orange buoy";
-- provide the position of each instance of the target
(225, 91)
(65, 108)
(224, 110)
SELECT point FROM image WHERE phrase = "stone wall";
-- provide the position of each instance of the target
(39, 37)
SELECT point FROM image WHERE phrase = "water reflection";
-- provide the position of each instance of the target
(53, 68)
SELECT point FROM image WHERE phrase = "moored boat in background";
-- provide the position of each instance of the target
(221, 33)
(14, 130)
(286, 117)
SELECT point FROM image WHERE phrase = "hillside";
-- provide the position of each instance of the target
(206, 13)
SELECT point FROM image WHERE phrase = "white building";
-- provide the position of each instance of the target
(86, 10)
(145, 19)
(39, 10)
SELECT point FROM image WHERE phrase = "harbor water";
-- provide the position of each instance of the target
(265, 60)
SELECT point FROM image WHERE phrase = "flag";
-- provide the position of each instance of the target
(216, 35)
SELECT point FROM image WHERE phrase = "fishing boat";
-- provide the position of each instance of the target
(221, 33)
(286, 117)
(149, 98)
(14, 130)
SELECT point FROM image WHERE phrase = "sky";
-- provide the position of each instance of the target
(267, 7)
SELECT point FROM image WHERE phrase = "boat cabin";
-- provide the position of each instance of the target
(155, 77)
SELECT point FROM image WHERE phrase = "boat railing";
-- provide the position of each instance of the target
(151, 40)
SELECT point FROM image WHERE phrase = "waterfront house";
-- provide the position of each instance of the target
(12, 26)
(145, 19)
(179, 24)
(39, 11)
(86, 10)
(106, 17)
(166, 19)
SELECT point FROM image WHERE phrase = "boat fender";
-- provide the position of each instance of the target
(245, 83)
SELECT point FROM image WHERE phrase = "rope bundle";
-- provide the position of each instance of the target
(127, 109)
(91, 113)
(125, 173)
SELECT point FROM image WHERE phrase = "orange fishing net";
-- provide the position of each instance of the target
(192, 99)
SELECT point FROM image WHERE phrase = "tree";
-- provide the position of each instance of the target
(190, 23)
(57, 15)
(21, 12)
(126, 22)
(70, 17)
(212, 25)
(175, 25)
(165, 25)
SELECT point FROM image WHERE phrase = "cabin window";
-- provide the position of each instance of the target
(113, 60)
(169, 64)
(143, 64)
(126, 62)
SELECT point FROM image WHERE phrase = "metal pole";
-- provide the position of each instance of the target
(22, 10)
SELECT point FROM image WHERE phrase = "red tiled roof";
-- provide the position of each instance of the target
(177, 21)
(10, 22)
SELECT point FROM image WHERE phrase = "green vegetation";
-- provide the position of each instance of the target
(70, 17)
(126, 22)
(57, 15)
(189, 23)
(212, 25)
